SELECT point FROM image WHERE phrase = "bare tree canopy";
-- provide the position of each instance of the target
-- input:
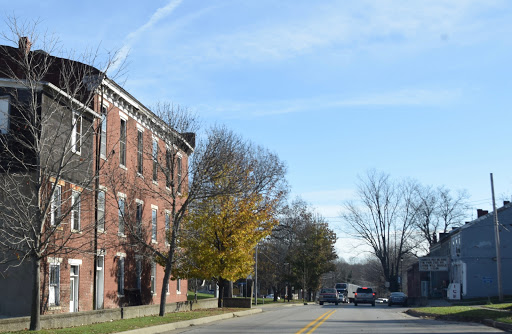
(384, 219)
(437, 210)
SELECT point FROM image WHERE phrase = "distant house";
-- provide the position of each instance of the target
(469, 253)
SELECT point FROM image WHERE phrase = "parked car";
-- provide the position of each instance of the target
(271, 296)
(397, 298)
(364, 295)
(328, 295)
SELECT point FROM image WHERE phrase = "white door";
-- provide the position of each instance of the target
(73, 296)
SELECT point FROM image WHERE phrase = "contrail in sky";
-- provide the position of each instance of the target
(134, 35)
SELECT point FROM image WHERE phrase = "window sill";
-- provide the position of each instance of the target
(123, 167)
(121, 235)
(76, 231)
(154, 242)
(155, 182)
(102, 231)
(140, 175)
(120, 296)
(54, 308)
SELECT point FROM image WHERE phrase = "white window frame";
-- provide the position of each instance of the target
(75, 210)
(178, 286)
(56, 205)
(76, 135)
(5, 113)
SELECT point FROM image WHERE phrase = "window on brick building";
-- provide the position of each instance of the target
(122, 143)
(140, 152)
(54, 285)
(4, 114)
(103, 136)
(120, 276)
(101, 210)
(76, 136)
(155, 159)
(153, 224)
(121, 212)
(179, 174)
(55, 206)
(138, 218)
(153, 278)
(75, 211)
(167, 225)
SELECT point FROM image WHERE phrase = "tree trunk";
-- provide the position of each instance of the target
(222, 283)
(163, 295)
(35, 313)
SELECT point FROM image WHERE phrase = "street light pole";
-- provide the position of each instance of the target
(497, 241)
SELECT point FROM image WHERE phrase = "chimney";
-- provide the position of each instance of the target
(480, 213)
(506, 202)
(24, 45)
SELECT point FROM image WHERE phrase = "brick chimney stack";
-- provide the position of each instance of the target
(480, 213)
(24, 45)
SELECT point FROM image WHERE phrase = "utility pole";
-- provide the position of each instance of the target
(497, 241)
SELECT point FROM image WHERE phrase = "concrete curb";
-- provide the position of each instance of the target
(194, 322)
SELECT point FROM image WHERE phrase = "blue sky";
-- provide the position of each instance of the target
(416, 89)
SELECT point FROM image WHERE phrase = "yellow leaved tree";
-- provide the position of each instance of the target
(220, 235)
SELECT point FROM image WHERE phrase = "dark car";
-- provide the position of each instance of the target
(397, 298)
(328, 295)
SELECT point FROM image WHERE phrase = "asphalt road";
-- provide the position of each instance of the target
(335, 319)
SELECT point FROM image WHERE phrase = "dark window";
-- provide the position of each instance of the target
(155, 160)
(122, 143)
(121, 215)
(120, 276)
(140, 148)
(75, 211)
(178, 161)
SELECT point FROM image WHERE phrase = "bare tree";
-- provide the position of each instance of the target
(437, 210)
(46, 143)
(384, 219)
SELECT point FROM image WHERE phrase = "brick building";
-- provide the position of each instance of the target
(115, 172)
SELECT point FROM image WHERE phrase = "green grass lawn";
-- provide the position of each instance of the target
(465, 313)
(505, 306)
(128, 324)
(190, 295)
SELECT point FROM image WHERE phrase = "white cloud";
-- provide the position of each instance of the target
(402, 97)
(361, 25)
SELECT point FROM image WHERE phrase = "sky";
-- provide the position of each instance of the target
(414, 89)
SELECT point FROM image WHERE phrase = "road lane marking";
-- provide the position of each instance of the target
(326, 315)
(320, 322)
